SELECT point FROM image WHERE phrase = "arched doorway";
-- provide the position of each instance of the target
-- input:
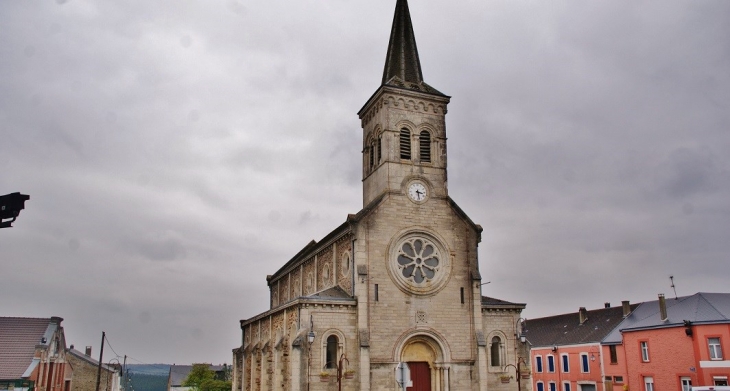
(421, 357)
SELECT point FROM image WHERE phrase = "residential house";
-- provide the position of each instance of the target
(86, 370)
(673, 344)
(566, 351)
(33, 355)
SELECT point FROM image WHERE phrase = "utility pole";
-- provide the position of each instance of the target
(101, 357)
(124, 374)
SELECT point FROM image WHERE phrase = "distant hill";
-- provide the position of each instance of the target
(148, 377)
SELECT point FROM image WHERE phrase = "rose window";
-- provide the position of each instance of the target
(418, 260)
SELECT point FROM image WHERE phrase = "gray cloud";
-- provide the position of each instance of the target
(176, 154)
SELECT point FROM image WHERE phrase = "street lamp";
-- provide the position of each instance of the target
(310, 339)
(520, 330)
(10, 207)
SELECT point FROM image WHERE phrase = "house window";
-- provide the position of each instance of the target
(720, 380)
(424, 147)
(566, 386)
(538, 364)
(644, 351)
(686, 383)
(618, 379)
(331, 352)
(495, 351)
(715, 348)
(584, 363)
(612, 353)
(608, 378)
(566, 363)
(405, 144)
(648, 383)
(552, 386)
(551, 364)
(540, 386)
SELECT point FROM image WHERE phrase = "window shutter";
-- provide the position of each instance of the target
(405, 144)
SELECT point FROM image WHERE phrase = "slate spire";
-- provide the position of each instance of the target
(402, 58)
(402, 65)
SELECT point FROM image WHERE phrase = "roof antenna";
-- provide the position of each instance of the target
(671, 278)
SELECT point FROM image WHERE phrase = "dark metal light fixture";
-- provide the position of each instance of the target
(10, 207)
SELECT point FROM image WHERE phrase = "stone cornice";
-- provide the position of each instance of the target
(300, 301)
(402, 98)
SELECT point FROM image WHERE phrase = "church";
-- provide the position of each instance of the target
(398, 281)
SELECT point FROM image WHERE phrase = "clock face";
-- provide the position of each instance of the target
(417, 191)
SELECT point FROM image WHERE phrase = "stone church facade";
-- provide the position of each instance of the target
(398, 281)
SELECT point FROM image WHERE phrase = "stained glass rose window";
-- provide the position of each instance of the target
(418, 260)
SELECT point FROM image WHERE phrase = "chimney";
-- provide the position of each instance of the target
(606, 305)
(627, 307)
(662, 307)
(583, 314)
(88, 351)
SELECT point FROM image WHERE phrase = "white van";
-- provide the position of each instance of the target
(711, 388)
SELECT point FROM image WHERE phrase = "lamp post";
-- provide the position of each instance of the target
(518, 371)
(522, 337)
(310, 339)
(343, 357)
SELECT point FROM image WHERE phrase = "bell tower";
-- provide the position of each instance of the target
(403, 122)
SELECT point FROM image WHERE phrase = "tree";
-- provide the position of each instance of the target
(202, 378)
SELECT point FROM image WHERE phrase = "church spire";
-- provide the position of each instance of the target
(402, 65)
(402, 58)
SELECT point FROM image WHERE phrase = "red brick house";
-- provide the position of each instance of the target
(566, 351)
(33, 355)
(673, 344)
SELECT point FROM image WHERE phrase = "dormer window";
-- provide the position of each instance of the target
(424, 143)
(405, 144)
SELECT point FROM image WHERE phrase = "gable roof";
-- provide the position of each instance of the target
(566, 329)
(18, 340)
(335, 292)
(89, 360)
(700, 308)
(491, 302)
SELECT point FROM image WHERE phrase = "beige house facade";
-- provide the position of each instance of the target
(397, 282)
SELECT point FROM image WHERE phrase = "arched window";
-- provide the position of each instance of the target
(331, 357)
(424, 144)
(380, 148)
(495, 352)
(405, 144)
(371, 152)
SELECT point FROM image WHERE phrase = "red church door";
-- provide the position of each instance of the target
(420, 376)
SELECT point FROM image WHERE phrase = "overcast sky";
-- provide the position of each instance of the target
(177, 152)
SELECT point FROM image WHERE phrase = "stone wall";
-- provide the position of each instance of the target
(329, 266)
(84, 375)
